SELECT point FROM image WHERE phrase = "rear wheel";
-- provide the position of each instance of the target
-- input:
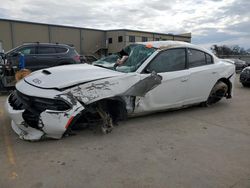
(217, 93)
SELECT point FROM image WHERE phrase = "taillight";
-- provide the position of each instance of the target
(77, 58)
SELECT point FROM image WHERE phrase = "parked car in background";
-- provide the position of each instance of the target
(245, 77)
(2, 57)
(239, 64)
(44, 55)
(143, 78)
(37, 56)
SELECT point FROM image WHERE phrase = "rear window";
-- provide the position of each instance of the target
(209, 59)
(46, 50)
(196, 58)
(61, 50)
(76, 52)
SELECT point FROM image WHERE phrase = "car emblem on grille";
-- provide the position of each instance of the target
(37, 81)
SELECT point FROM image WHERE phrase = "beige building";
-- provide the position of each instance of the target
(87, 41)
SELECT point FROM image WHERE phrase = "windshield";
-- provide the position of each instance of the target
(135, 55)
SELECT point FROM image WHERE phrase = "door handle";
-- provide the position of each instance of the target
(214, 72)
(184, 79)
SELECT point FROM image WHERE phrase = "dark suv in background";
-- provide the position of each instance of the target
(37, 56)
(44, 55)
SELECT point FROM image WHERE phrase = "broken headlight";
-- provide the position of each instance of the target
(19, 100)
(50, 104)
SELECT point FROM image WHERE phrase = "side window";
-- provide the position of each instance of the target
(61, 50)
(27, 50)
(168, 61)
(46, 50)
(209, 59)
(196, 58)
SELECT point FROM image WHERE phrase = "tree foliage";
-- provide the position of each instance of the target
(229, 50)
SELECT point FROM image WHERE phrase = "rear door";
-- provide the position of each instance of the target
(203, 75)
(46, 56)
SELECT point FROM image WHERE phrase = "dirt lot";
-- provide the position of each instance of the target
(194, 147)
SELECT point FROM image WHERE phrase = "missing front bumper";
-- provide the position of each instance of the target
(51, 124)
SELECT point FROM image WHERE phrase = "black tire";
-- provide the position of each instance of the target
(245, 84)
(217, 93)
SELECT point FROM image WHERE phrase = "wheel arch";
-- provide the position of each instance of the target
(116, 106)
(229, 85)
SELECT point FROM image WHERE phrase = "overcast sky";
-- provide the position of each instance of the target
(209, 21)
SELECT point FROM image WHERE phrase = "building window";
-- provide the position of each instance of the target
(157, 39)
(110, 40)
(144, 39)
(131, 38)
(120, 39)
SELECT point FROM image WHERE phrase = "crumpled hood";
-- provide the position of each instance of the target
(68, 75)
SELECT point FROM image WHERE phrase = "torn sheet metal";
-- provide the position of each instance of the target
(100, 89)
(111, 87)
(144, 85)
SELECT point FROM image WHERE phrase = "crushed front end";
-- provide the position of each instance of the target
(34, 118)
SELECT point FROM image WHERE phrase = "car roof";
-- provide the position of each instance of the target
(45, 44)
(173, 44)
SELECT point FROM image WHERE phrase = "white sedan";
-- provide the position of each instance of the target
(142, 78)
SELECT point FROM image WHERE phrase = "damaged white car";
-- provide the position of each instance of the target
(141, 79)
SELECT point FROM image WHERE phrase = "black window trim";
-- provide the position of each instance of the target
(205, 53)
(164, 50)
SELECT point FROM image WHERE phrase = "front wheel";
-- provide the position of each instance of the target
(217, 93)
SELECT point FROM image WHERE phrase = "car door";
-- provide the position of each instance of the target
(46, 56)
(171, 65)
(203, 75)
